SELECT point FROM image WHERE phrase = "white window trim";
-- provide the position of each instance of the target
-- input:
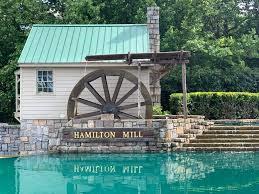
(36, 81)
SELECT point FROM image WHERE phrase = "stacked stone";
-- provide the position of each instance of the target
(44, 136)
(154, 42)
(38, 135)
(9, 139)
(113, 146)
(153, 26)
(180, 130)
(170, 133)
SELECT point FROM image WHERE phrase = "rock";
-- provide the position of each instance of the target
(107, 117)
(42, 122)
(4, 147)
(118, 124)
(108, 123)
(7, 140)
(44, 145)
(180, 130)
(91, 124)
(127, 124)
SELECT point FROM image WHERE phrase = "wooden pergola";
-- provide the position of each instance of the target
(162, 63)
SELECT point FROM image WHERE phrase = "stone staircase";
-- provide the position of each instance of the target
(225, 138)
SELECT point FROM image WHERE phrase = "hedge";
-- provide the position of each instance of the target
(6, 108)
(218, 105)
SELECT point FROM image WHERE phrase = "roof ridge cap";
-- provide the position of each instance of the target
(84, 25)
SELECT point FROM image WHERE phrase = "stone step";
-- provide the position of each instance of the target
(183, 135)
(242, 136)
(234, 128)
(220, 149)
(231, 132)
(240, 144)
(222, 140)
(108, 149)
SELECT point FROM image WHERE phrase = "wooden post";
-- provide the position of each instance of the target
(184, 87)
(139, 85)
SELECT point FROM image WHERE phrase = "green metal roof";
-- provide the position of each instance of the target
(72, 43)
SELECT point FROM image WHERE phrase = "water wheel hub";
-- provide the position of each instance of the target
(110, 108)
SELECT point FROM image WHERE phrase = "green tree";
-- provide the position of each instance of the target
(16, 17)
(124, 11)
(222, 37)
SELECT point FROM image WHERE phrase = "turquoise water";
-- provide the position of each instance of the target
(185, 173)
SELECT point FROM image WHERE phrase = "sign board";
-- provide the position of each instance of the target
(107, 134)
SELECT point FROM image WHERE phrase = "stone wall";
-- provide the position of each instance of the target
(9, 139)
(37, 136)
(170, 133)
(45, 136)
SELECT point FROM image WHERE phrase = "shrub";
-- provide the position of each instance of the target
(6, 109)
(218, 105)
(157, 110)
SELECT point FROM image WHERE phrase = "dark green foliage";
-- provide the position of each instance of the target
(157, 110)
(223, 39)
(218, 105)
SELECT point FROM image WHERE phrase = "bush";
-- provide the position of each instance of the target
(218, 105)
(6, 108)
(157, 110)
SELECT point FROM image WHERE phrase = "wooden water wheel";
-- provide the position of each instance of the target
(108, 104)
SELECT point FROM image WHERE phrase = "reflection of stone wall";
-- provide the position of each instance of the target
(184, 168)
(9, 139)
(43, 136)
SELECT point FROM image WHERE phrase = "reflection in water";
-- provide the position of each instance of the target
(139, 173)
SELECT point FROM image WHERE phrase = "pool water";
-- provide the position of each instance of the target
(186, 173)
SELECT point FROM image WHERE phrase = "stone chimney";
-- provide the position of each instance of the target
(153, 26)
(154, 41)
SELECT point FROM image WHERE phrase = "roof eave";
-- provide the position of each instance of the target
(80, 64)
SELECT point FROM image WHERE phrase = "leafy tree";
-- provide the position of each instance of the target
(124, 11)
(15, 19)
(223, 38)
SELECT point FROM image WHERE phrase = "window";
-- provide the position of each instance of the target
(44, 81)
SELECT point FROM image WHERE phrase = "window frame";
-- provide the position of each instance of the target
(53, 83)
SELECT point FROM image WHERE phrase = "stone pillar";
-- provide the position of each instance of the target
(153, 26)
(154, 42)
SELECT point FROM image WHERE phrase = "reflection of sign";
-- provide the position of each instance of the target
(108, 134)
(109, 169)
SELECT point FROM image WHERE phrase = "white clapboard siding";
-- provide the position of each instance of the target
(53, 106)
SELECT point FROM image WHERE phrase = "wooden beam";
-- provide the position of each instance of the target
(156, 57)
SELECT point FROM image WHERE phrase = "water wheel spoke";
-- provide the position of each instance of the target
(129, 106)
(127, 95)
(85, 115)
(95, 93)
(117, 116)
(87, 102)
(127, 115)
(105, 88)
(118, 87)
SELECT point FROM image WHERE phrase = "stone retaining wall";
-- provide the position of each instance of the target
(44, 136)
(37, 136)
(9, 139)
(169, 134)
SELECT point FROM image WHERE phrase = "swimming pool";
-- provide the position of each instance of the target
(173, 173)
